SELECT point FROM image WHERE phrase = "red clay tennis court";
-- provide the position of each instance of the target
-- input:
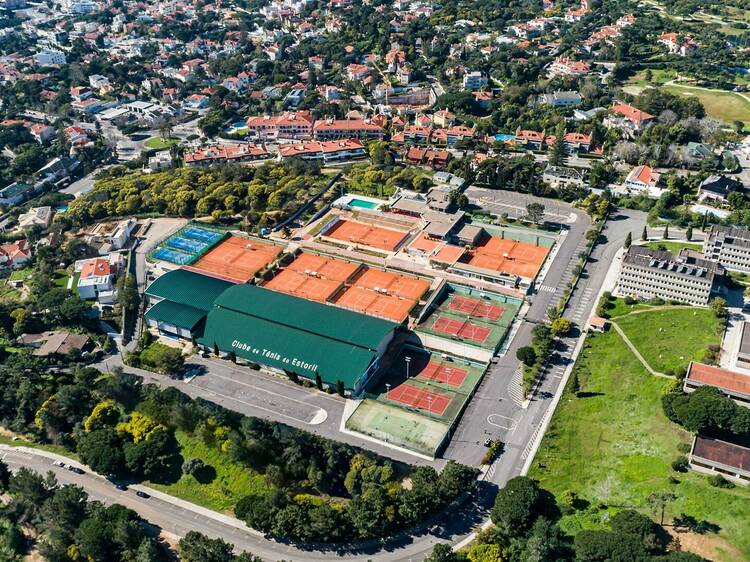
(404, 286)
(440, 372)
(461, 328)
(237, 259)
(509, 256)
(366, 234)
(375, 304)
(475, 307)
(419, 398)
(304, 285)
(330, 268)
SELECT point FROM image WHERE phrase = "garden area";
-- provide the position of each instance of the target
(674, 246)
(611, 446)
(159, 143)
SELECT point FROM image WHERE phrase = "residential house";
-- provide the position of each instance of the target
(716, 189)
(36, 216)
(560, 99)
(14, 254)
(643, 180)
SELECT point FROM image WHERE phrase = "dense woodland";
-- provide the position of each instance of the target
(526, 530)
(315, 489)
(264, 194)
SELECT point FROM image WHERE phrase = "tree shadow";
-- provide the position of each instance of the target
(589, 394)
(699, 526)
(205, 474)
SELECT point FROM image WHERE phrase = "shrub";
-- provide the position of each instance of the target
(718, 481)
(683, 447)
(630, 301)
(656, 301)
(680, 464)
(192, 466)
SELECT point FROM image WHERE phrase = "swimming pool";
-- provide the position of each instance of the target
(362, 204)
(503, 137)
(61, 209)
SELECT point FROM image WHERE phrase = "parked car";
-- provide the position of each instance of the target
(143, 495)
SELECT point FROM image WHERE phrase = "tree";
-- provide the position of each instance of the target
(659, 501)
(442, 552)
(526, 355)
(719, 307)
(535, 212)
(689, 233)
(558, 153)
(644, 234)
(665, 236)
(102, 451)
(517, 506)
(193, 466)
(197, 547)
(600, 546)
(631, 522)
(561, 326)
(628, 241)
(4, 477)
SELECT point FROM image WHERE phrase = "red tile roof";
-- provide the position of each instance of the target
(719, 378)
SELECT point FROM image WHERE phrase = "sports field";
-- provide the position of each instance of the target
(330, 268)
(304, 285)
(238, 259)
(418, 400)
(398, 427)
(723, 105)
(468, 316)
(507, 256)
(431, 384)
(350, 285)
(355, 232)
(187, 245)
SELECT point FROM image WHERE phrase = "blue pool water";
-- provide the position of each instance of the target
(61, 209)
(503, 137)
(362, 204)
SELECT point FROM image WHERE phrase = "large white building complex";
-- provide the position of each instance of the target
(686, 278)
(730, 246)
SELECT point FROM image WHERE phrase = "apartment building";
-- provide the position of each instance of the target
(288, 125)
(686, 278)
(730, 246)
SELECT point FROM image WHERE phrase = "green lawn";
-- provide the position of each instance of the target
(61, 279)
(726, 106)
(21, 274)
(614, 447)
(8, 293)
(669, 338)
(221, 491)
(675, 246)
(158, 143)
(658, 77)
(618, 307)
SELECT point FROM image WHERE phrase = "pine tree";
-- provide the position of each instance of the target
(666, 232)
(318, 381)
(689, 233)
(216, 349)
(628, 240)
(644, 235)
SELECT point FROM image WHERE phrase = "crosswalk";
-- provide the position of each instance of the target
(515, 387)
(580, 311)
(547, 289)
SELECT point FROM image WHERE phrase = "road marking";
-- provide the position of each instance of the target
(547, 288)
(503, 422)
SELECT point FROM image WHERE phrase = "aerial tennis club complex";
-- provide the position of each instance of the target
(407, 345)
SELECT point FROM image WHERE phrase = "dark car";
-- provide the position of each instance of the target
(143, 495)
(75, 469)
(122, 487)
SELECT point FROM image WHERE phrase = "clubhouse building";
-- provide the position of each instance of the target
(281, 332)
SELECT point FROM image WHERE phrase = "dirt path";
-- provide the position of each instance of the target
(635, 351)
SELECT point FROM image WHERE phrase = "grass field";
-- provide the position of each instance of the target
(726, 106)
(61, 279)
(675, 246)
(613, 447)
(158, 143)
(21, 274)
(669, 338)
(8, 293)
(224, 484)
(658, 77)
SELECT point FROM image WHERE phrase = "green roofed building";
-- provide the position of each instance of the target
(297, 336)
(180, 300)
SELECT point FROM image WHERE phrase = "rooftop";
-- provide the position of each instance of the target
(189, 288)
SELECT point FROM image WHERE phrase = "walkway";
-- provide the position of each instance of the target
(637, 353)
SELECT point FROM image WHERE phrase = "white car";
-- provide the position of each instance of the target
(60, 464)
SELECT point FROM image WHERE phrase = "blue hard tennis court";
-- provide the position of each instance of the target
(201, 234)
(180, 258)
(186, 244)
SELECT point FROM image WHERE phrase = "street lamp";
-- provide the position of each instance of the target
(387, 388)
